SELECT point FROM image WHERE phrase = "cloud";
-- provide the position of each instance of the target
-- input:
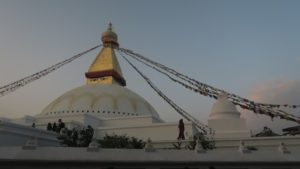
(279, 91)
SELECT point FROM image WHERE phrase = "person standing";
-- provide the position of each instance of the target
(61, 125)
(54, 127)
(49, 126)
(181, 130)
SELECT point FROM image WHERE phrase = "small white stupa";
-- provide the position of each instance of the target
(226, 121)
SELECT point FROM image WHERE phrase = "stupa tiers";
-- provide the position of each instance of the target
(226, 121)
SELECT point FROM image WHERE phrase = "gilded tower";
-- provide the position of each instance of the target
(106, 69)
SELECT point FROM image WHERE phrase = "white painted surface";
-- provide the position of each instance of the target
(261, 143)
(156, 131)
(12, 134)
(139, 155)
(224, 109)
(225, 120)
(102, 100)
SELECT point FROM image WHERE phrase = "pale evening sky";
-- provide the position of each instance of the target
(250, 48)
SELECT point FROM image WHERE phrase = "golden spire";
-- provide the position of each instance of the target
(110, 26)
(106, 69)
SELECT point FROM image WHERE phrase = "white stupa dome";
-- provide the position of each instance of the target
(224, 109)
(104, 94)
(101, 100)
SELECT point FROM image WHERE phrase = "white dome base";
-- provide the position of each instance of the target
(229, 128)
(100, 100)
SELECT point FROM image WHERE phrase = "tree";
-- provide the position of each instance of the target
(266, 132)
(76, 138)
(115, 141)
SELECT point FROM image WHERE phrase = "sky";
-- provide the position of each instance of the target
(249, 48)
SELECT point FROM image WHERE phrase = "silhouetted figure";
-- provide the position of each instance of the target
(54, 127)
(181, 130)
(33, 125)
(61, 125)
(49, 127)
(266, 132)
(74, 136)
(90, 131)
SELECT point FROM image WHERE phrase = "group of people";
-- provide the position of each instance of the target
(77, 137)
(56, 127)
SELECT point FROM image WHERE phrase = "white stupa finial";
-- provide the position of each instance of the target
(242, 148)
(149, 146)
(283, 149)
(31, 143)
(199, 148)
(93, 146)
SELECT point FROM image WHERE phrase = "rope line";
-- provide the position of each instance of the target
(4, 90)
(204, 128)
(271, 110)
